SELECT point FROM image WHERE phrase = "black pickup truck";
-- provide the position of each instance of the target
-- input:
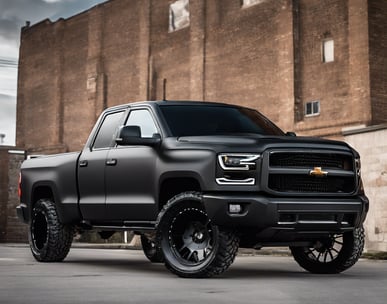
(197, 180)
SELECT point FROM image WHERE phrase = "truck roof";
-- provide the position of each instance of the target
(171, 102)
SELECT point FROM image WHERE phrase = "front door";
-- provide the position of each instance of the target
(131, 182)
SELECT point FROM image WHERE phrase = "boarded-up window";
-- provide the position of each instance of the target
(246, 3)
(178, 15)
(328, 53)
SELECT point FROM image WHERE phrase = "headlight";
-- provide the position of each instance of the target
(237, 161)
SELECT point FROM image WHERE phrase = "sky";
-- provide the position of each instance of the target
(13, 15)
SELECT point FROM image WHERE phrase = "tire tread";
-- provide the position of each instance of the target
(346, 259)
(59, 238)
(227, 248)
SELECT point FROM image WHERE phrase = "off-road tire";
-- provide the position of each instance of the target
(49, 239)
(151, 250)
(326, 259)
(191, 245)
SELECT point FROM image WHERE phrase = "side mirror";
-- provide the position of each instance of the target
(131, 136)
(291, 134)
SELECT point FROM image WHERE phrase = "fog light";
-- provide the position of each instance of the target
(234, 208)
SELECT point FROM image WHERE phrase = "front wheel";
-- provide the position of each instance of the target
(192, 246)
(49, 239)
(333, 254)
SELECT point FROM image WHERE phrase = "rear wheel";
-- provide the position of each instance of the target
(151, 251)
(192, 246)
(49, 239)
(333, 254)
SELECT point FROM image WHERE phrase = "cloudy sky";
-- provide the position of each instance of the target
(13, 15)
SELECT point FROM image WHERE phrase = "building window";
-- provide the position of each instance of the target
(246, 3)
(328, 54)
(178, 15)
(312, 108)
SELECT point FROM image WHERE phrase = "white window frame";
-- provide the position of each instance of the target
(179, 15)
(313, 112)
(328, 50)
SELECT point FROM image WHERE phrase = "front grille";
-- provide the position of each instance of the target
(307, 160)
(290, 172)
(310, 184)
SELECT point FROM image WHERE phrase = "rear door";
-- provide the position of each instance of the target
(92, 166)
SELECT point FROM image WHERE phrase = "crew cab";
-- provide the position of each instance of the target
(198, 180)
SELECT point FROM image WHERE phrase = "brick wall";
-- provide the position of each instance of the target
(377, 11)
(3, 192)
(169, 55)
(266, 56)
(249, 57)
(39, 114)
(121, 51)
(332, 83)
(372, 146)
(16, 230)
(11, 228)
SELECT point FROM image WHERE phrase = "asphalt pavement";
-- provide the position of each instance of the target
(125, 276)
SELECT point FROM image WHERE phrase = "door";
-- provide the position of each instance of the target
(131, 181)
(92, 166)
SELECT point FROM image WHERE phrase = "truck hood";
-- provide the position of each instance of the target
(261, 143)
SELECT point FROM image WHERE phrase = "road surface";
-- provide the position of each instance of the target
(125, 276)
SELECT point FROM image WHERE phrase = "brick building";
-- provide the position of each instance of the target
(314, 67)
(11, 229)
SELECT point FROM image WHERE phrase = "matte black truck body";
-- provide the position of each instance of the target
(248, 177)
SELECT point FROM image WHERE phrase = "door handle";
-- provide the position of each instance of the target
(83, 163)
(111, 162)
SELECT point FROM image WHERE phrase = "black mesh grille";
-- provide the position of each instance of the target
(292, 180)
(311, 160)
(310, 184)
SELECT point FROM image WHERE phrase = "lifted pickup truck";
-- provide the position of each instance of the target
(197, 180)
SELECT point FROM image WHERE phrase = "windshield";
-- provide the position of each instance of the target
(200, 120)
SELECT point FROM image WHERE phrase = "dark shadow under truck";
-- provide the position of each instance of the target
(198, 180)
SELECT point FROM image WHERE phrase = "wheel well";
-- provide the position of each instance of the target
(41, 192)
(173, 186)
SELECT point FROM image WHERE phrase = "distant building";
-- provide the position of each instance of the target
(314, 67)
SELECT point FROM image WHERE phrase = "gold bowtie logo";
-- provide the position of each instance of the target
(317, 171)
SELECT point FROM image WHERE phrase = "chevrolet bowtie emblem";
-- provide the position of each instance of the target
(317, 171)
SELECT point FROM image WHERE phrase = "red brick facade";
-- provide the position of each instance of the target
(378, 59)
(267, 56)
(11, 228)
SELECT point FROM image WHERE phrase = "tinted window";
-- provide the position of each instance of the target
(144, 120)
(197, 120)
(108, 130)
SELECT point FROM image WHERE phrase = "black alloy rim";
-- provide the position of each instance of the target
(39, 231)
(327, 250)
(191, 237)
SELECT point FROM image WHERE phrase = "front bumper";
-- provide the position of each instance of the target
(299, 214)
